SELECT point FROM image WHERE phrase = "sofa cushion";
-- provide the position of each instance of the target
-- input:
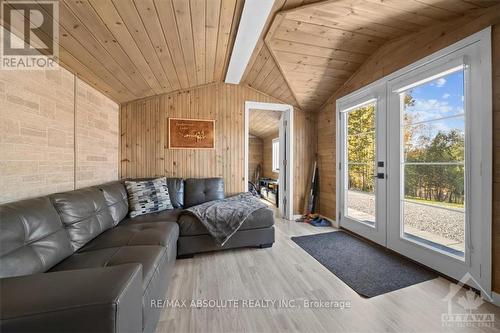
(151, 257)
(148, 196)
(32, 237)
(176, 191)
(116, 198)
(200, 190)
(84, 214)
(153, 233)
(189, 225)
(169, 215)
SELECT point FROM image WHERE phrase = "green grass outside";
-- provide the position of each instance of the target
(434, 202)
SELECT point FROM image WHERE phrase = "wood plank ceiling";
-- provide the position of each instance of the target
(262, 72)
(131, 49)
(263, 123)
(318, 47)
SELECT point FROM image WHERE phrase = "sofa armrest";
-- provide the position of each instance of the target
(107, 299)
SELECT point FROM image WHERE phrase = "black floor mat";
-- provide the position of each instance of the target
(367, 268)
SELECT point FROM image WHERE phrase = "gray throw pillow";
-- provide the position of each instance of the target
(148, 196)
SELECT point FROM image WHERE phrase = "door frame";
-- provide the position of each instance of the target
(287, 111)
(483, 38)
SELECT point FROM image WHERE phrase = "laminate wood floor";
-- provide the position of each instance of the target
(286, 272)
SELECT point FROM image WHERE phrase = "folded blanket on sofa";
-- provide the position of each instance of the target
(224, 217)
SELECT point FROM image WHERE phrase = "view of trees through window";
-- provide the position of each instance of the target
(434, 143)
(434, 152)
(361, 148)
(361, 153)
(432, 161)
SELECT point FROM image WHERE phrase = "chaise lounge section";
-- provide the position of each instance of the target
(75, 261)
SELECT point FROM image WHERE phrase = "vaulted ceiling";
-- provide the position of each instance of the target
(263, 123)
(318, 47)
(131, 49)
(145, 47)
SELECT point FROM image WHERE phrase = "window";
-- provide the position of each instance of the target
(360, 163)
(276, 155)
(433, 161)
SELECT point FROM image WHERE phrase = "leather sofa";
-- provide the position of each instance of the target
(75, 261)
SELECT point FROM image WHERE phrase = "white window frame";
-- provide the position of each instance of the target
(275, 150)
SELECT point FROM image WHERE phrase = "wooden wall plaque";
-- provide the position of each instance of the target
(191, 133)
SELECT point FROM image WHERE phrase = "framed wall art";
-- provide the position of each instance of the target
(191, 133)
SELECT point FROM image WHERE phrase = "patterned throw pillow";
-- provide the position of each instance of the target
(148, 196)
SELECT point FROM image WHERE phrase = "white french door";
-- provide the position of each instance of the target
(362, 165)
(414, 154)
(432, 164)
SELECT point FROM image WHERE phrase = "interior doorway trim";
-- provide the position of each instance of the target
(288, 114)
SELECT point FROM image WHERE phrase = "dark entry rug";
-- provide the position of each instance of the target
(367, 268)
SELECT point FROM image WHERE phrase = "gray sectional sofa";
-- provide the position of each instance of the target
(75, 261)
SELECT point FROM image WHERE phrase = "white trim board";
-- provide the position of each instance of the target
(253, 19)
(288, 114)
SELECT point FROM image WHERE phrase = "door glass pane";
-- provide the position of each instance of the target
(433, 164)
(360, 170)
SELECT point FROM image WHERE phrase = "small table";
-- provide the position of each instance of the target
(269, 190)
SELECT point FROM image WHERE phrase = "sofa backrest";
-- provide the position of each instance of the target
(84, 213)
(176, 191)
(116, 198)
(200, 190)
(32, 237)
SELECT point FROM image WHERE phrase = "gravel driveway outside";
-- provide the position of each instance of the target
(444, 222)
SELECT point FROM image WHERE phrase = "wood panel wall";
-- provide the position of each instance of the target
(268, 156)
(144, 136)
(255, 157)
(391, 57)
(326, 161)
(46, 139)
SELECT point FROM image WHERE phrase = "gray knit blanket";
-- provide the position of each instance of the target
(224, 217)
